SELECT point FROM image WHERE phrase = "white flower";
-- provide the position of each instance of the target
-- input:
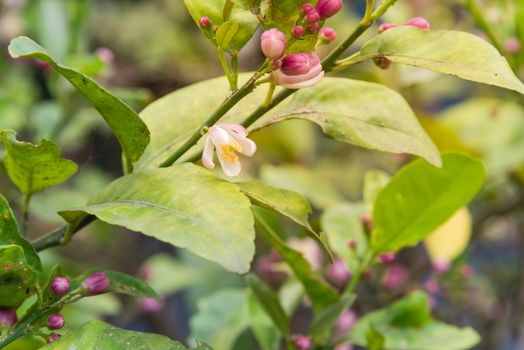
(228, 140)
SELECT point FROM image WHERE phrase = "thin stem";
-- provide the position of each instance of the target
(269, 96)
(25, 213)
(369, 11)
(225, 68)
(55, 238)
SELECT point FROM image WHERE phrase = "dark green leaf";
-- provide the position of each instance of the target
(375, 340)
(34, 168)
(97, 335)
(125, 123)
(466, 55)
(184, 205)
(17, 277)
(269, 302)
(10, 235)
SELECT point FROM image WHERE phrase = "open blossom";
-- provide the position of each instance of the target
(228, 140)
(298, 71)
(273, 43)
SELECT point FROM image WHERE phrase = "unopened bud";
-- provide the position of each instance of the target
(302, 342)
(367, 223)
(299, 63)
(298, 31)
(106, 55)
(328, 8)
(205, 22)
(512, 45)
(60, 286)
(273, 43)
(55, 321)
(306, 8)
(345, 323)
(8, 317)
(150, 305)
(312, 17)
(97, 283)
(338, 273)
(387, 258)
(53, 337)
(385, 26)
(419, 22)
(395, 276)
(352, 243)
(441, 267)
(328, 35)
(313, 27)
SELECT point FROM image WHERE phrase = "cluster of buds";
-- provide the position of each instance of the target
(314, 15)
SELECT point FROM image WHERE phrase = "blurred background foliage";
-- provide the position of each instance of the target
(144, 49)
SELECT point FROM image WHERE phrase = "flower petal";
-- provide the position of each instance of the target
(249, 147)
(219, 136)
(207, 155)
(305, 84)
(239, 129)
(231, 169)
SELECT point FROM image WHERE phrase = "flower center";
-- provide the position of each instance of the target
(229, 149)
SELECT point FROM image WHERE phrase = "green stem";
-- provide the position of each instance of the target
(56, 237)
(225, 68)
(269, 96)
(25, 213)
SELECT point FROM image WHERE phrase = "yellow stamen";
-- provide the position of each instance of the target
(229, 149)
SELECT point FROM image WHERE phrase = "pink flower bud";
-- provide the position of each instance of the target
(385, 26)
(440, 267)
(273, 43)
(352, 243)
(312, 17)
(345, 323)
(97, 283)
(387, 258)
(299, 63)
(306, 8)
(512, 45)
(53, 337)
(150, 305)
(205, 22)
(298, 31)
(382, 62)
(313, 27)
(302, 342)
(328, 34)
(338, 273)
(431, 286)
(328, 8)
(106, 55)
(418, 22)
(367, 223)
(55, 321)
(60, 286)
(266, 267)
(8, 317)
(395, 276)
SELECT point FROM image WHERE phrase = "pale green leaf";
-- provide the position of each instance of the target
(374, 182)
(184, 205)
(465, 55)
(33, 168)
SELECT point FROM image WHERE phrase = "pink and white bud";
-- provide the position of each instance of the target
(60, 286)
(228, 140)
(53, 337)
(299, 71)
(513, 45)
(395, 276)
(352, 243)
(106, 55)
(205, 22)
(419, 22)
(55, 321)
(302, 342)
(338, 273)
(441, 267)
(328, 35)
(273, 43)
(313, 27)
(312, 17)
(8, 317)
(387, 258)
(328, 8)
(306, 8)
(298, 31)
(97, 283)
(386, 26)
(151, 305)
(345, 323)
(367, 223)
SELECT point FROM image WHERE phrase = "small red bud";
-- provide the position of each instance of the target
(55, 321)
(352, 244)
(418, 22)
(53, 337)
(60, 286)
(312, 17)
(329, 8)
(385, 26)
(313, 27)
(298, 31)
(303, 342)
(306, 8)
(387, 258)
(97, 283)
(8, 317)
(205, 22)
(328, 34)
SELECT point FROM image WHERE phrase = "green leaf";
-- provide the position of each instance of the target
(28, 342)
(119, 283)
(17, 277)
(466, 55)
(269, 302)
(221, 318)
(320, 293)
(407, 325)
(200, 345)
(264, 330)
(374, 182)
(97, 335)
(285, 202)
(10, 235)
(361, 113)
(130, 130)
(342, 223)
(420, 198)
(325, 320)
(375, 340)
(34, 168)
(245, 22)
(225, 35)
(184, 205)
